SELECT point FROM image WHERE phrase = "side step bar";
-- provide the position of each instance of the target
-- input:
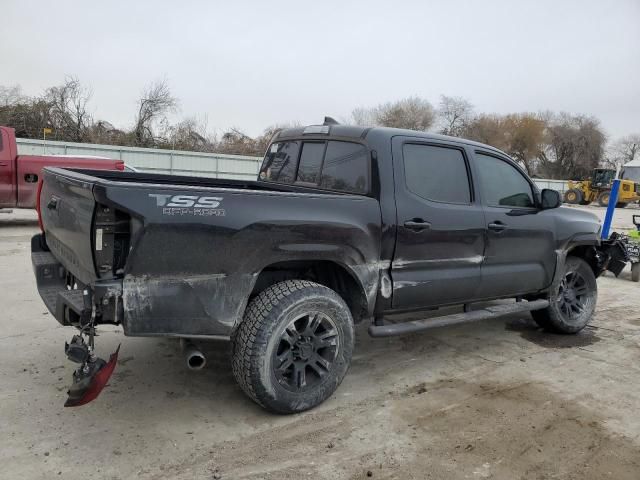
(493, 311)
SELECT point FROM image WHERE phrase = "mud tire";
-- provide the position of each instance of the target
(259, 338)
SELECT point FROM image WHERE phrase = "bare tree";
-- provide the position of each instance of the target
(10, 96)
(623, 150)
(413, 113)
(155, 102)
(486, 128)
(524, 139)
(189, 134)
(454, 113)
(574, 146)
(69, 113)
(366, 117)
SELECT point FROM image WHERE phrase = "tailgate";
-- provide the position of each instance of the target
(66, 206)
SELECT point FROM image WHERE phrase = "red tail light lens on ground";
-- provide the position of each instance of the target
(97, 383)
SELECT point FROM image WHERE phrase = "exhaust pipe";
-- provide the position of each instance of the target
(192, 354)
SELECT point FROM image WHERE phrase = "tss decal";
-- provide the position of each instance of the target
(188, 204)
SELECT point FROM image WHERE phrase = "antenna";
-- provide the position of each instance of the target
(330, 121)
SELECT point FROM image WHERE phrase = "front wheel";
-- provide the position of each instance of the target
(603, 199)
(293, 347)
(573, 196)
(573, 301)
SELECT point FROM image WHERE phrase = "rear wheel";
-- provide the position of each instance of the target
(621, 205)
(293, 347)
(573, 301)
(573, 196)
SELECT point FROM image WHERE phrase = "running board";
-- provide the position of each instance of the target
(493, 311)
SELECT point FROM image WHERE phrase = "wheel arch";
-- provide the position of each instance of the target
(331, 274)
(587, 252)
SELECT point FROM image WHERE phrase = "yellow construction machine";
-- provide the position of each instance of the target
(598, 188)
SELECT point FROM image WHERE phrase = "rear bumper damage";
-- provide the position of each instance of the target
(68, 300)
(72, 303)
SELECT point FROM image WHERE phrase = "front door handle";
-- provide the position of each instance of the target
(417, 224)
(497, 226)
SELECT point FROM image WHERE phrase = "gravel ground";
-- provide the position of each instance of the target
(498, 399)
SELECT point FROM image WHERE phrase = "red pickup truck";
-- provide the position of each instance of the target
(20, 174)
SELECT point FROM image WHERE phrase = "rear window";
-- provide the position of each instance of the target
(310, 162)
(281, 162)
(332, 165)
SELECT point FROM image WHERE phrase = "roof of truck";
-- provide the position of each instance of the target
(355, 131)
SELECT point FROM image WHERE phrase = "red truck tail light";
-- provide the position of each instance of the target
(120, 166)
(38, 195)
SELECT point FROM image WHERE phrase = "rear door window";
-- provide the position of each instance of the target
(436, 173)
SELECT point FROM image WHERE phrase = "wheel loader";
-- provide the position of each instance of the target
(597, 188)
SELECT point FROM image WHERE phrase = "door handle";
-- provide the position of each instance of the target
(417, 224)
(3, 164)
(497, 226)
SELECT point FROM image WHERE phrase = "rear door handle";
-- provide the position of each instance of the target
(3, 164)
(497, 226)
(417, 224)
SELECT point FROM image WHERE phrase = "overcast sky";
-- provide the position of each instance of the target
(254, 64)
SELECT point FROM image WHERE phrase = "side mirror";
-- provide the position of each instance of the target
(550, 199)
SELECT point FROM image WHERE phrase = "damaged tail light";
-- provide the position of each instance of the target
(90, 379)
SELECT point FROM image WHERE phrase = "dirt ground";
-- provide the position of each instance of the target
(498, 399)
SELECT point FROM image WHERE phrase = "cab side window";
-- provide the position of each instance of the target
(346, 167)
(501, 184)
(436, 173)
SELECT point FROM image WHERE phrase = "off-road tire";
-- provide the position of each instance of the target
(258, 338)
(573, 196)
(635, 272)
(555, 318)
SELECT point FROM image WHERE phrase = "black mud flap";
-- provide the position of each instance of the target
(89, 380)
(616, 251)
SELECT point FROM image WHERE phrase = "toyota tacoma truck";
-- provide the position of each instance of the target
(20, 174)
(343, 225)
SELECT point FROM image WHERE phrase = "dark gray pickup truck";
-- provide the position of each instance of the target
(344, 224)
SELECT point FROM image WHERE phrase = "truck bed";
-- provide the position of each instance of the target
(192, 181)
(184, 253)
